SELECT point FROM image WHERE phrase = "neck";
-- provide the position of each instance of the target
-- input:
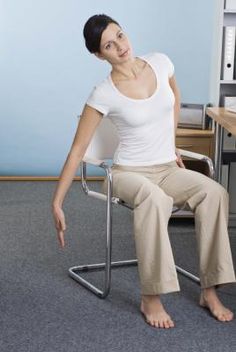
(129, 69)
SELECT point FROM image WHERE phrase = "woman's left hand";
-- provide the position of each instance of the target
(179, 160)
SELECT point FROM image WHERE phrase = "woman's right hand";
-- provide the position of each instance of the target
(60, 223)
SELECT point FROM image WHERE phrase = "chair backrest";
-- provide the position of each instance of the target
(104, 141)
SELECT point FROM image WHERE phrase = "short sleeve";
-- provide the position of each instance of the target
(97, 100)
(170, 66)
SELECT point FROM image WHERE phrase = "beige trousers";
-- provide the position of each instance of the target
(152, 191)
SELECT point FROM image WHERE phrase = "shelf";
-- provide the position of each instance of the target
(223, 81)
(188, 132)
(230, 11)
(232, 219)
(229, 151)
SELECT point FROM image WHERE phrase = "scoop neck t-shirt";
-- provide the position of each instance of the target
(145, 126)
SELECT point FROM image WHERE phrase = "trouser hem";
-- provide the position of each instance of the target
(160, 288)
(215, 279)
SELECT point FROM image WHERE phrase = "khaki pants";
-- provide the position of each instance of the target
(152, 191)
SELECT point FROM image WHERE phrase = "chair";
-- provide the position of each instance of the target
(101, 148)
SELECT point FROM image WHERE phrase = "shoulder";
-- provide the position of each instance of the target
(161, 60)
(101, 86)
(100, 89)
(157, 56)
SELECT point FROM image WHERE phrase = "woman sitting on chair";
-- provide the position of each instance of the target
(141, 97)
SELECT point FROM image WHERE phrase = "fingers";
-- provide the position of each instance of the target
(180, 163)
(179, 159)
(61, 238)
(61, 227)
(60, 224)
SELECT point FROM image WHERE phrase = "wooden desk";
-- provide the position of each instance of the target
(223, 119)
(198, 141)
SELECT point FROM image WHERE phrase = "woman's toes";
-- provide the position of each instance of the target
(224, 316)
(166, 324)
(228, 316)
(221, 317)
(151, 322)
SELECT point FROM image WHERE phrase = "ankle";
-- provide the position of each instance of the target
(147, 298)
(209, 291)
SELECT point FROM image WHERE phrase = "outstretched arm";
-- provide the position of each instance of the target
(90, 118)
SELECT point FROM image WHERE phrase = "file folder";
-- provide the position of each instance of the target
(229, 52)
(230, 4)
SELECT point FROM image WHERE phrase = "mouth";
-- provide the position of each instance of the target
(124, 54)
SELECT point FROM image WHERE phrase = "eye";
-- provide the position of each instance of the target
(108, 46)
(120, 35)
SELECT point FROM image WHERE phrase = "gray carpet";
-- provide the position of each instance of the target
(43, 310)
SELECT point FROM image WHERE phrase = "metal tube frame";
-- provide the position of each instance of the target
(108, 263)
(218, 151)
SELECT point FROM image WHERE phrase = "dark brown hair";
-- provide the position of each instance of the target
(93, 29)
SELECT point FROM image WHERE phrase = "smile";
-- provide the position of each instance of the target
(125, 53)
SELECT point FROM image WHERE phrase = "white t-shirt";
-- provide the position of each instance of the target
(145, 126)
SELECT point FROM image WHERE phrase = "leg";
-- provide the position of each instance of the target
(152, 210)
(209, 201)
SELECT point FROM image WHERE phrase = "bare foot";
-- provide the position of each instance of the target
(209, 299)
(154, 312)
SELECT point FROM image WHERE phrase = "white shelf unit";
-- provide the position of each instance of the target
(223, 81)
(218, 86)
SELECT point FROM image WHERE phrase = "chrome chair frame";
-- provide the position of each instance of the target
(110, 200)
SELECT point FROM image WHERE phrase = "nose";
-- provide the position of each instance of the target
(118, 47)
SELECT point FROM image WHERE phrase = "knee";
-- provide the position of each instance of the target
(216, 192)
(154, 195)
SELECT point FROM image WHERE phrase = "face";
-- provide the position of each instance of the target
(115, 46)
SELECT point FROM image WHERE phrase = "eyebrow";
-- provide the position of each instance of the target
(111, 40)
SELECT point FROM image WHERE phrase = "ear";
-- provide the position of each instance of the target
(99, 56)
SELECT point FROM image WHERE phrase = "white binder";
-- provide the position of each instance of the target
(230, 103)
(229, 52)
(230, 4)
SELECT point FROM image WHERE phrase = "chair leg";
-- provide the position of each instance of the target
(108, 264)
(85, 268)
(188, 274)
(103, 294)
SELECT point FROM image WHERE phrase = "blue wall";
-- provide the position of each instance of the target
(47, 73)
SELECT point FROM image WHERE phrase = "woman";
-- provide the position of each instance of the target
(142, 98)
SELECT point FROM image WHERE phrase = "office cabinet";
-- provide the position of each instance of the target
(221, 88)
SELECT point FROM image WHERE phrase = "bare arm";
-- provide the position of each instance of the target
(176, 91)
(90, 118)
